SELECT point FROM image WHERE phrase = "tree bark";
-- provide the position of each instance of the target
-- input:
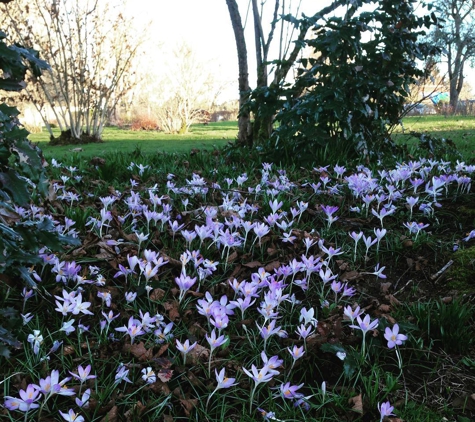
(244, 119)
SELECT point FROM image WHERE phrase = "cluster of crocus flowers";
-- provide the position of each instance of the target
(27, 401)
(265, 292)
(263, 375)
(36, 395)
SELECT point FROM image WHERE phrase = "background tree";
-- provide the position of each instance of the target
(184, 91)
(91, 49)
(425, 87)
(456, 38)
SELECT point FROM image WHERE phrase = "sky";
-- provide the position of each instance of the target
(205, 25)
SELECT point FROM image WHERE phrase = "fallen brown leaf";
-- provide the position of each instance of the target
(390, 319)
(357, 403)
(350, 275)
(188, 405)
(252, 264)
(161, 351)
(138, 408)
(173, 311)
(157, 294)
(197, 354)
(272, 266)
(232, 257)
(165, 375)
(343, 265)
(160, 388)
(112, 415)
(139, 351)
(163, 362)
(68, 350)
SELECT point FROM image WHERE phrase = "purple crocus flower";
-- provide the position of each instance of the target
(365, 325)
(385, 409)
(290, 391)
(214, 341)
(51, 385)
(27, 400)
(184, 283)
(393, 337)
(259, 375)
(133, 329)
(329, 211)
(185, 348)
(83, 374)
(223, 381)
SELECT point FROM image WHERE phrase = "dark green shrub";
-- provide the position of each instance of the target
(351, 93)
(22, 178)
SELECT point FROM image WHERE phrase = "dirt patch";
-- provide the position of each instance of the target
(67, 138)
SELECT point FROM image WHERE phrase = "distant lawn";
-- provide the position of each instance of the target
(210, 136)
(460, 129)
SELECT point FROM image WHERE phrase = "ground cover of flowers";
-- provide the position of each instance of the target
(217, 292)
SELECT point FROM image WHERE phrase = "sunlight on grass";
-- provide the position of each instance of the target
(218, 134)
(208, 137)
(460, 129)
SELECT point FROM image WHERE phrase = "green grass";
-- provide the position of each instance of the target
(200, 136)
(460, 129)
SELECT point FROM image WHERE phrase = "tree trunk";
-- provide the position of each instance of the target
(244, 119)
(454, 96)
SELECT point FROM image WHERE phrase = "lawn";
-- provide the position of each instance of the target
(208, 137)
(199, 288)
(460, 129)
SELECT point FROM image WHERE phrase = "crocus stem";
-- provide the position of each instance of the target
(399, 359)
(252, 398)
(41, 407)
(292, 366)
(209, 363)
(363, 347)
(209, 397)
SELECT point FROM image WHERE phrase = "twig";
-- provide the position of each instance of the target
(442, 270)
(402, 275)
(403, 287)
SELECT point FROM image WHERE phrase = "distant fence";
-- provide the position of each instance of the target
(464, 108)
